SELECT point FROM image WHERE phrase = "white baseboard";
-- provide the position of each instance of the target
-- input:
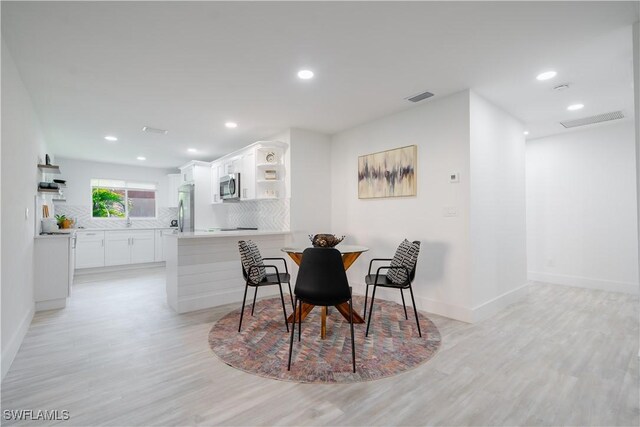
(52, 304)
(493, 306)
(10, 351)
(200, 302)
(123, 267)
(456, 312)
(585, 282)
(440, 308)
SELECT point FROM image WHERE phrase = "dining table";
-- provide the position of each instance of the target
(350, 254)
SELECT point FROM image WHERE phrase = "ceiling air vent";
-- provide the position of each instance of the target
(154, 130)
(615, 115)
(419, 97)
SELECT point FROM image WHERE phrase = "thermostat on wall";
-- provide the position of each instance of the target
(454, 177)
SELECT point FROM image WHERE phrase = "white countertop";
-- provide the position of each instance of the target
(125, 228)
(54, 236)
(239, 233)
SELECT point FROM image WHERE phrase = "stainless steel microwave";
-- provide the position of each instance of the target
(230, 187)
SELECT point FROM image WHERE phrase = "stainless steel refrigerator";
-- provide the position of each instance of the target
(185, 208)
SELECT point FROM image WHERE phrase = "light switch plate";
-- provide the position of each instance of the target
(450, 211)
(454, 177)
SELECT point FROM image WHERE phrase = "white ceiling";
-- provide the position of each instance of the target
(109, 68)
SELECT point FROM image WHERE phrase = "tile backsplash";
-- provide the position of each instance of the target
(82, 214)
(264, 214)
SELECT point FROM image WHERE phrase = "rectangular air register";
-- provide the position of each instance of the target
(615, 115)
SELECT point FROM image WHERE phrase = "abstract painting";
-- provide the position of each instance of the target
(390, 173)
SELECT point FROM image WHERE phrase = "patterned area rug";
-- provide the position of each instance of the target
(262, 348)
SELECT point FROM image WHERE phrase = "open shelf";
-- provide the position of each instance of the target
(269, 165)
(49, 190)
(49, 168)
(261, 181)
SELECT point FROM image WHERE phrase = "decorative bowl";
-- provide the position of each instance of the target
(325, 240)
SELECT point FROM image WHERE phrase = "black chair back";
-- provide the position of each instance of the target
(321, 278)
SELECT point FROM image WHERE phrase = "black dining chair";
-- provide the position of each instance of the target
(399, 275)
(255, 274)
(321, 281)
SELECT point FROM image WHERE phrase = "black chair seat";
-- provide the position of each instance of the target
(272, 279)
(384, 281)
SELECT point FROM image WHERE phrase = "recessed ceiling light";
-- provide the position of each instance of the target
(526, 132)
(141, 158)
(305, 74)
(575, 107)
(110, 138)
(231, 125)
(192, 150)
(546, 75)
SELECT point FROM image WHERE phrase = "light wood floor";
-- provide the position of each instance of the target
(117, 355)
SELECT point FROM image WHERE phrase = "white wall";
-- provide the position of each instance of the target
(581, 208)
(23, 147)
(440, 129)
(498, 208)
(310, 176)
(79, 173)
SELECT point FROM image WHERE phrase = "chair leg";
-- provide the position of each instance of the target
(284, 310)
(293, 330)
(353, 343)
(404, 305)
(366, 294)
(373, 297)
(246, 286)
(291, 296)
(299, 320)
(254, 300)
(415, 310)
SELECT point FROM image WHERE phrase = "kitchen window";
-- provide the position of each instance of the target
(121, 199)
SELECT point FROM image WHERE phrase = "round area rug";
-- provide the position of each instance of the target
(262, 347)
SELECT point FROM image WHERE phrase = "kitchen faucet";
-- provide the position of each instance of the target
(128, 221)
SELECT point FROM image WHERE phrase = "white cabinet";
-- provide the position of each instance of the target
(216, 172)
(142, 246)
(129, 247)
(174, 181)
(186, 174)
(52, 278)
(160, 254)
(89, 249)
(116, 248)
(248, 176)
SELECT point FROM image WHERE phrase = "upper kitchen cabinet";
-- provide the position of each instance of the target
(217, 170)
(174, 181)
(195, 172)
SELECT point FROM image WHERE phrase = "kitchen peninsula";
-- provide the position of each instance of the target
(203, 267)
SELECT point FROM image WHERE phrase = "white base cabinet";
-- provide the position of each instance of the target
(118, 247)
(89, 249)
(129, 247)
(52, 275)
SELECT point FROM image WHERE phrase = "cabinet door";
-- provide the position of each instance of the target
(186, 175)
(216, 171)
(90, 250)
(159, 247)
(142, 246)
(174, 182)
(116, 248)
(248, 177)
